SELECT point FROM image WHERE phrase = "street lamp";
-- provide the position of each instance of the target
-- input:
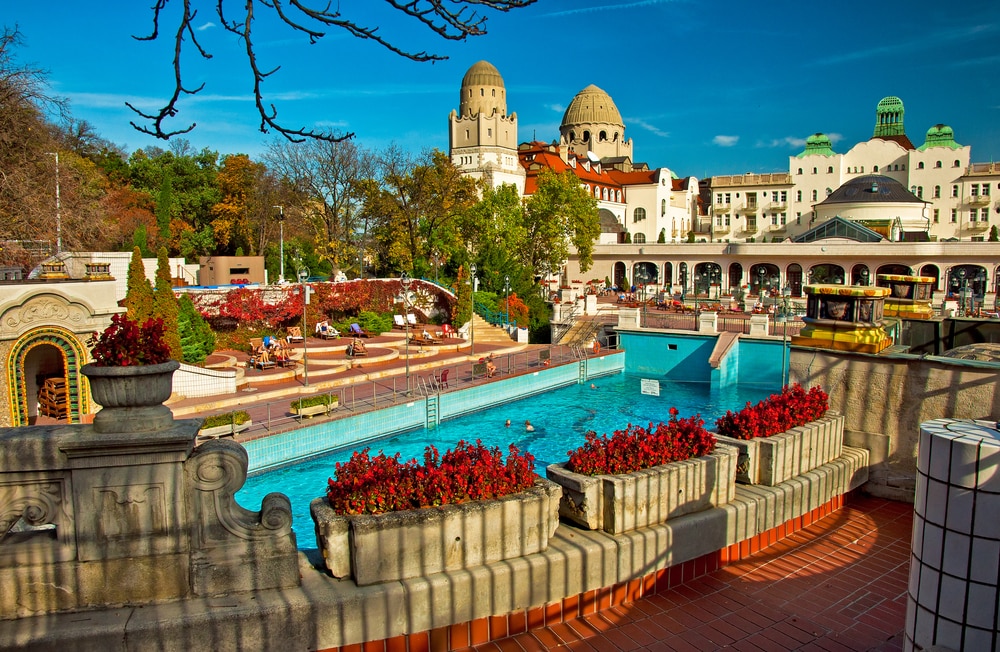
(761, 273)
(404, 280)
(697, 282)
(281, 242)
(303, 274)
(58, 206)
(961, 275)
(472, 318)
(864, 276)
(786, 295)
(506, 289)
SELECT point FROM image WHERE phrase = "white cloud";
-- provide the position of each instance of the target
(613, 7)
(725, 141)
(558, 108)
(638, 122)
(208, 25)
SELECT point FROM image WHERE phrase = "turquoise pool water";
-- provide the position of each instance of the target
(560, 418)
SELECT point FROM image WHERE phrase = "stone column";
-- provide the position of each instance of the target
(955, 550)
(708, 322)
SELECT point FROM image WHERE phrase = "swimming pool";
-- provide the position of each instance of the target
(560, 419)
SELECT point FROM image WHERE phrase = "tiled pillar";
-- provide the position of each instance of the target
(955, 551)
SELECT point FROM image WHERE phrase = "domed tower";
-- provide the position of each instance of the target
(592, 123)
(482, 137)
(889, 118)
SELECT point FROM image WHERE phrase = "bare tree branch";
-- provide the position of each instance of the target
(452, 20)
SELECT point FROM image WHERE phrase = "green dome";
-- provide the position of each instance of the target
(817, 144)
(889, 118)
(939, 136)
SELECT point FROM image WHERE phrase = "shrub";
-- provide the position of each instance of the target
(636, 448)
(238, 418)
(777, 413)
(126, 344)
(312, 401)
(375, 485)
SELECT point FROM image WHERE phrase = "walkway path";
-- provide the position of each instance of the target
(837, 585)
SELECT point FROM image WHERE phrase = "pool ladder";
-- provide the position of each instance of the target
(433, 415)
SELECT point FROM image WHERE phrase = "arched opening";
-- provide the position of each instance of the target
(619, 279)
(645, 273)
(764, 277)
(894, 268)
(932, 271)
(682, 277)
(39, 355)
(668, 275)
(794, 279)
(969, 281)
(827, 273)
(861, 275)
(708, 279)
(735, 276)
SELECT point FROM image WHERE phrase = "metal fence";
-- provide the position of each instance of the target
(274, 416)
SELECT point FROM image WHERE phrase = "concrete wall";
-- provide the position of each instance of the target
(886, 398)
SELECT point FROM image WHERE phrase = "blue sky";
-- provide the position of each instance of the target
(704, 88)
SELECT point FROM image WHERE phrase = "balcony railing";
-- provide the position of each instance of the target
(977, 200)
(748, 208)
(721, 228)
(977, 226)
(777, 206)
(722, 207)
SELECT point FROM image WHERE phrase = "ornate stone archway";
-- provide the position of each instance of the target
(22, 388)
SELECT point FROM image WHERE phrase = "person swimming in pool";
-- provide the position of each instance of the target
(528, 427)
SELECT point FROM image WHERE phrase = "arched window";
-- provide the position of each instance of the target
(920, 165)
(602, 136)
(937, 164)
(937, 192)
(920, 192)
(815, 195)
(639, 238)
(800, 171)
(638, 214)
(663, 207)
(875, 168)
(829, 170)
(494, 91)
(615, 139)
(958, 163)
(572, 136)
(482, 92)
(798, 195)
(586, 136)
(814, 170)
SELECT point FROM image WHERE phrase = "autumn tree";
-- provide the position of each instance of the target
(138, 301)
(197, 338)
(165, 305)
(233, 217)
(325, 195)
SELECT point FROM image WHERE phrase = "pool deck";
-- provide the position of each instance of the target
(839, 584)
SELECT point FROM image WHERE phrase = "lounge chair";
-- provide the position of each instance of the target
(411, 319)
(357, 331)
(421, 340)
(398, 321)
(259, 357)
(294, 334)
(327, 332)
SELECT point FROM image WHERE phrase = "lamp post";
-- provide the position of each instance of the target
(303, 274)
(281, 243)
(761, 272)
(472, 317)
(404, 280)
(58, 206)
(786, 295)
(506, 290)
(961, 275)
(981, 277)
(697, 282)
(864, 276)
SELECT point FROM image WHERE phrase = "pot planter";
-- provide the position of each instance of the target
(313, 410)
(224, 430)
(420, 542)
(620, 503)
(772, 460)
(132, 398)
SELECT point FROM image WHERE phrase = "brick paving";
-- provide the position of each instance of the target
(836, 585)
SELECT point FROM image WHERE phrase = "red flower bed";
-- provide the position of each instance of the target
(638, 448)
(375, 485)
(793, 407)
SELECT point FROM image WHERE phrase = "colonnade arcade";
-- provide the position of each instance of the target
(708, 278)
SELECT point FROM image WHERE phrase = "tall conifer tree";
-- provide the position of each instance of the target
(138, 300)
(165, 305)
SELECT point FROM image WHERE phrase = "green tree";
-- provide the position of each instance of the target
(662, 238)
(462, 312)
(138, 301)
(197, 338)
(165, 305)
(558, 214)
(994, 236)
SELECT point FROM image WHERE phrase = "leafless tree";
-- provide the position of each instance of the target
(452, 20)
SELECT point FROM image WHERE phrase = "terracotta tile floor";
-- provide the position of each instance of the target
(839, 584)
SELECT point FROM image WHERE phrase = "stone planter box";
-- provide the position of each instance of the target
(313, 410)
(772, 460)
(224, 430)
(420, 542)
(620, 503)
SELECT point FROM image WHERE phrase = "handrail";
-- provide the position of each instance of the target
(494, 318)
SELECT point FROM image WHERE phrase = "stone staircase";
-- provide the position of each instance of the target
(486, 333)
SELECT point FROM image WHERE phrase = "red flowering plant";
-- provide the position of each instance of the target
(126, 343)
(636, 448)
(793, 407)
(375, 485)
